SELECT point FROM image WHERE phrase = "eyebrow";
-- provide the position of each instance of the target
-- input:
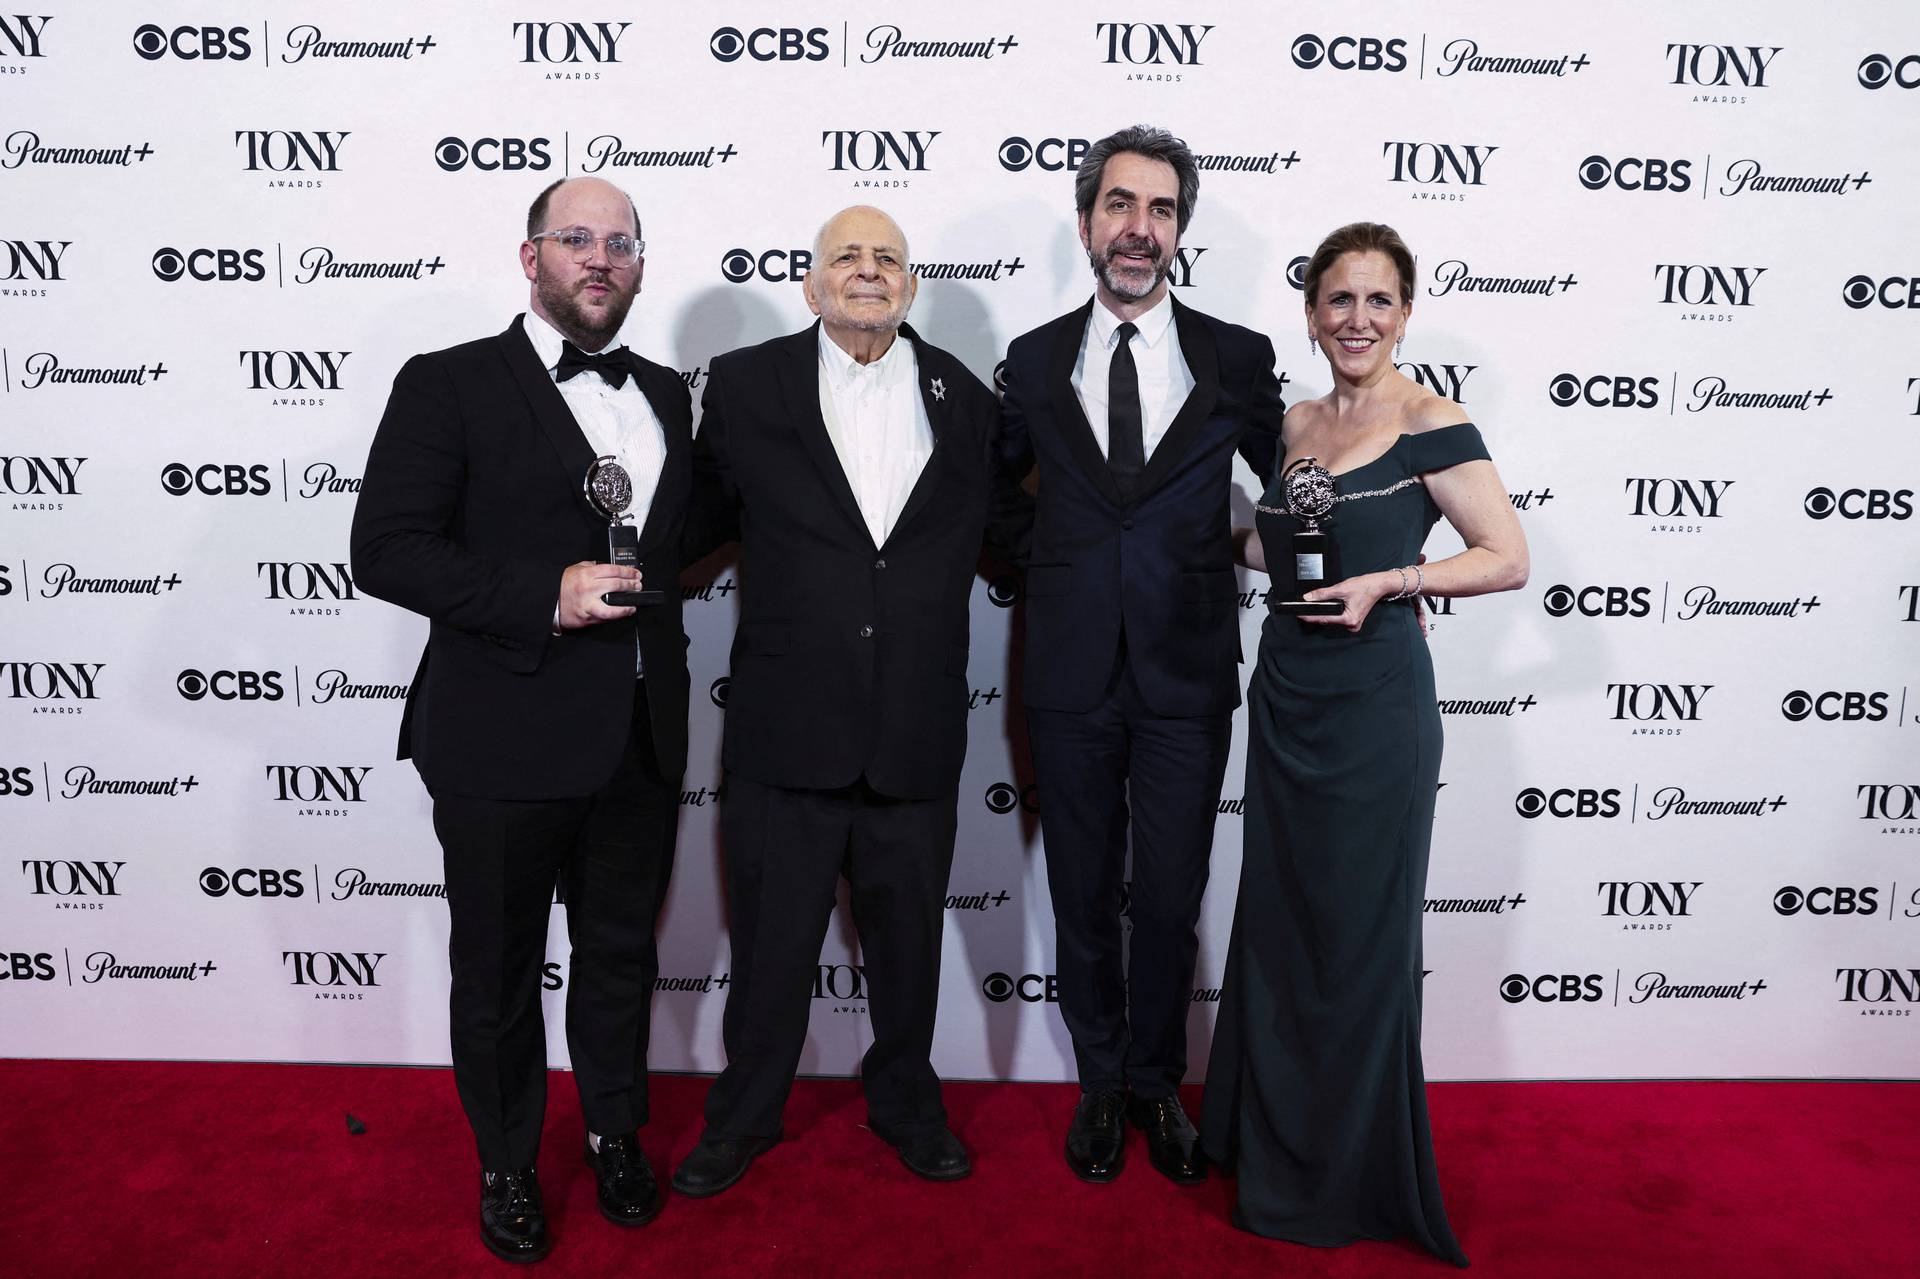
(878, 248)
(1164, 202)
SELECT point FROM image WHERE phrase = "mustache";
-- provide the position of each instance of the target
(1147, 247)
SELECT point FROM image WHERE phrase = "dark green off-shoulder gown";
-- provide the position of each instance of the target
(1315, 1093)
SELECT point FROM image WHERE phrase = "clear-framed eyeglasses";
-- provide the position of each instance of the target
(578, 242)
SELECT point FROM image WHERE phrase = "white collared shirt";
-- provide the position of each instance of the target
(621, 423)
(1165, 379)
(878, 424)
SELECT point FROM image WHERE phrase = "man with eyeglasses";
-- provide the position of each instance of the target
(548, 717)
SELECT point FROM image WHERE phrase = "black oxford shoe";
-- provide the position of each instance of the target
(513, 1224)
(931, 1152)
(717, 1163)
(629, 1195)
(1172, 1144)
(1097, 1139)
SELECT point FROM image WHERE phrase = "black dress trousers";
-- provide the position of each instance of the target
(611, 853)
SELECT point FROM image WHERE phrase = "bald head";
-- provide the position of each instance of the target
(553, 206)
(857, 227)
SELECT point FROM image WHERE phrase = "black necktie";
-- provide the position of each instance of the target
(1126, 452)
(611, 365)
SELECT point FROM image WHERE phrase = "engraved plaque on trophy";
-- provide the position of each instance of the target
(609, 490)
(1308, 492)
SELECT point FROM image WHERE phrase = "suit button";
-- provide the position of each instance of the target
(866, 632)
(880, 563)
(1127, 524)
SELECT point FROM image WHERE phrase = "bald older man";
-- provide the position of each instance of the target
(853, 461)
(548, 717)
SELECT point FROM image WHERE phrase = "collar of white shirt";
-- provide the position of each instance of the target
(845, 373)
(1152, 323)
(546, 341)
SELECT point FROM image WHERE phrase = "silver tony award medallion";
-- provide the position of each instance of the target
(609, 491)
(1307, 489)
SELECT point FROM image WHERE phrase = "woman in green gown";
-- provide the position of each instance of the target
(1315, 1094)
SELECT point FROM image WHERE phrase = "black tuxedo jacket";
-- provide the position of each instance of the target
(470, 510)
(850, 659)
(1158, 567)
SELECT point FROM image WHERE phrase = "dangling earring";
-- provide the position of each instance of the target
(1398, 343)
(1311, 344)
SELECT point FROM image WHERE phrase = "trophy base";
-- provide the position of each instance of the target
(1308, 608)
(633, 599)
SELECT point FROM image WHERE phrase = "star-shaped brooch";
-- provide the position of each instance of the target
(939, 389)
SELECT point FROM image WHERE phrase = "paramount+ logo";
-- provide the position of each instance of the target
(1635, 173)
(1859, 504)
(1553, 988)
(1349, 53)
(770, 44)
(775, 266)
(491, 155)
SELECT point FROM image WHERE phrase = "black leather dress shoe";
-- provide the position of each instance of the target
(629, 1195)
(716, 1163)
(930, 1152)
(1097, 1139)
(513, 1224)
(1172, 1144)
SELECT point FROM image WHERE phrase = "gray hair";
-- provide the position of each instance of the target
(1145, 140)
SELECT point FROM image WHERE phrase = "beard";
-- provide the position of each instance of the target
(1128, 284)
(591, 326)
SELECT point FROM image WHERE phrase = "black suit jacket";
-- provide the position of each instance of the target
(850, 659)
(1159, 566)
(470, 511)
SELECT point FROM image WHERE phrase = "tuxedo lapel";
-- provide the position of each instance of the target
(800, 390)
(1069, 332)
(659, 385)
(575, 455)
(939, 405)
(1203, 361)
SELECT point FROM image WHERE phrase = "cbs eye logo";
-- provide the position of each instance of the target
(1531, 802)
(1004, 590)
(1309, 52)
(1857, 292)
(737, 265)
(1877, 69)
(1820, 503)
(1297, 273)
(1559, 600)
(1016, 154)
(1004, 797)
(721, 688)
(1796, 706)
(727, 44)
(1789, 900)
(998, 987)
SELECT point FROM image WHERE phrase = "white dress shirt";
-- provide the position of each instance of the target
(617, 422)
(1164, 377)
(878, 424)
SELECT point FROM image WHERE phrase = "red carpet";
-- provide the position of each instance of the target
(140, 1170)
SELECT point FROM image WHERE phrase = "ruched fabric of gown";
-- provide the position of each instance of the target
(1315, 1093)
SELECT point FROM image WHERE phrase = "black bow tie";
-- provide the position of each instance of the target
(611, 365)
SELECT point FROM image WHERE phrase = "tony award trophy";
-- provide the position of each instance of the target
(1307, 490)
(609, 490)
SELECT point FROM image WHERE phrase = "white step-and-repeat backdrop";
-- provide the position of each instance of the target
(1668, 263)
